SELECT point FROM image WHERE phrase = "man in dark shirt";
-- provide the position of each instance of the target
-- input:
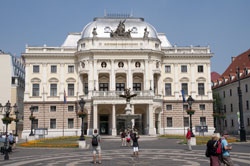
(211, 150)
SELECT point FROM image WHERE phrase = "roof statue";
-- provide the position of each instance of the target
(127, 95)
(120, 31)
(94, 32)
(146, 32)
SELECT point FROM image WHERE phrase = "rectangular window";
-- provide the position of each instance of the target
(53, 69)
(231, 107)
(225, 123)
(53, 89)
(230, 91)
(53, 123)
(120, 86)
(201, 89)
(200, 68)
(35, 68)
(185, 107)
(70, 69)
(13, 80)
(169, 122)
(248, 121)
(35, 91)
(35, 108)
(52, 108)
(71, 90)
(184, 86)
(167, 69)
(186, 121)
(103, 86)
(224, 94)
(70, 123)
(202, 107)
(70, 108)
(183, 68)
(203, 121)
(86, 88)
(35, 123)
(246, 88)
(232, 123)
(225, 108)
(247, 105)
(168, 91)
(169, 107)
(136, 86)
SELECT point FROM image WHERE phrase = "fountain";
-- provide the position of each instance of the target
(128, 116)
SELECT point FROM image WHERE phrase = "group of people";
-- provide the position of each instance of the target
(218, 151)
(129, 137)
(10, 142)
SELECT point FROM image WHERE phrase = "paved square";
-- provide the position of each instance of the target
(153, 151)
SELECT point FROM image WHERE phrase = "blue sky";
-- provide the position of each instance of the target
(223, 24)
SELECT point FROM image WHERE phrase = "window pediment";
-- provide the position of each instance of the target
(184, 79)
(53, 80)
(35, 80)
(168, 79)
(70, 80)
(201, 79)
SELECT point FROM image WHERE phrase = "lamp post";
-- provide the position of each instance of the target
(82, 115)
(7, 120)
(16, 120)
(31, 120)
(242, 126)
(190, 112)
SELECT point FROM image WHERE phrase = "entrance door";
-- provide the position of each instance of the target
(104, 124)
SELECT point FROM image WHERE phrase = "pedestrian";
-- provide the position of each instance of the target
(128, 138)
(96, 145)
(188, 137)
(11, 141)
(225, 159)
(211, 151)
(123, 137)
(135, 145)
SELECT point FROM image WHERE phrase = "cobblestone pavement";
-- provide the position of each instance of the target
(153, 151)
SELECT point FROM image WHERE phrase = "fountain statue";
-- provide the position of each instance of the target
(128, 116)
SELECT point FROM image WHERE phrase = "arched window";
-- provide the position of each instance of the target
(120, 64)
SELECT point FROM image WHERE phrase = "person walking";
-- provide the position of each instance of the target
(135, 145)
(225, 159)
(123, 137)
(188, 137)
(96, 145)
(211, 151)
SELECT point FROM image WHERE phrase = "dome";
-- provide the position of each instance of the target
(104, 26)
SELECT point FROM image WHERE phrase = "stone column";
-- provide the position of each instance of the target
(132, 112)
(146, 76)
(176, 82)
(129, 76)
(61, 92)
(28, 87)
(96, 76)
(193, 90)
(151, 130)
(44, 88)
(208, 87)
(95, 117)
(114, 132)
(151, 74)
(112, 80)
(80, 84)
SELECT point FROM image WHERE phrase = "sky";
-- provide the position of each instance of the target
(224, 25)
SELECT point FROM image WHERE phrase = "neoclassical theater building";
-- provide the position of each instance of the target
(110, 54)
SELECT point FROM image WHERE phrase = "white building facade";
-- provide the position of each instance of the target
(97, 64)
(12, 76)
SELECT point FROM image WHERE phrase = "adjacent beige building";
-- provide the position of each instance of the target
(110, 54)
(226, 87)
(12, 76)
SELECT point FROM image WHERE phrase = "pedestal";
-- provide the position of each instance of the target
(83, 145)
(16, 139)
(151, 131)
(193, 141)
(31, 138)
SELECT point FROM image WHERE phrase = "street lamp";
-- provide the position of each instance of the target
(190, 112)
(82, 115)
(7, 120)
(16, 120)
(31, 119)
(242, 126)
